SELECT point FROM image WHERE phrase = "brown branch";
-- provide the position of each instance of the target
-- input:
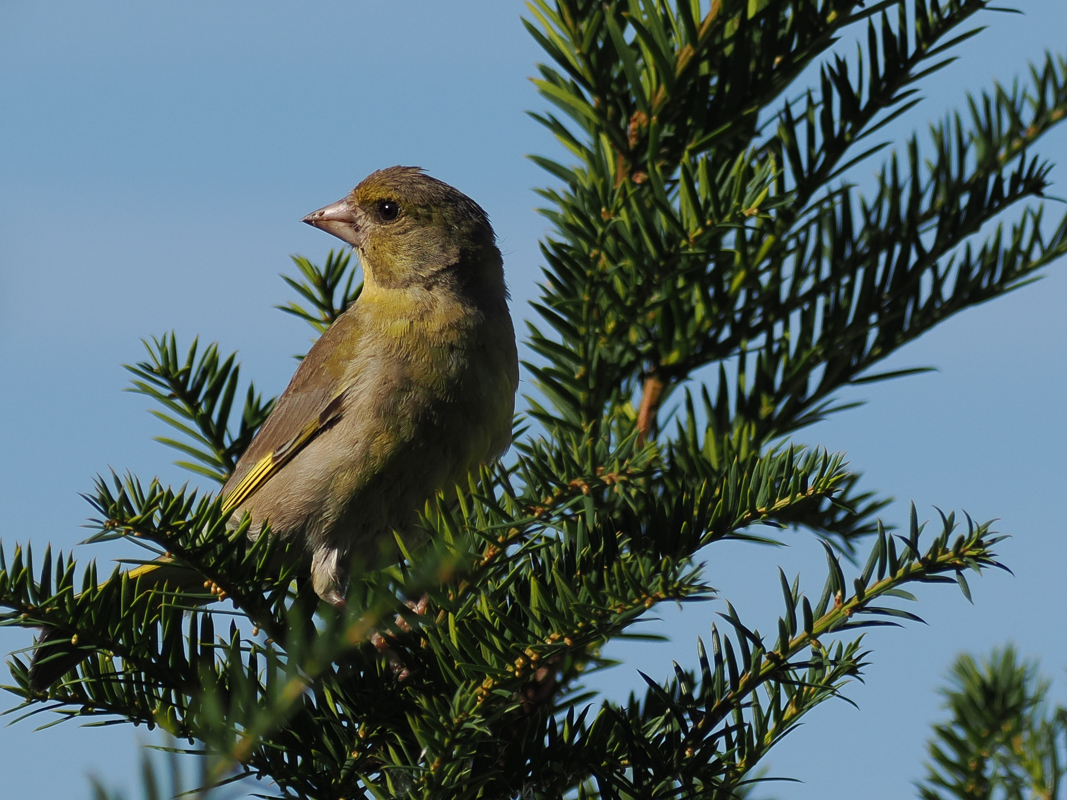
(651, 395)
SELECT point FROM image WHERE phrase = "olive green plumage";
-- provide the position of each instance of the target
(410, 389)
(412, 386)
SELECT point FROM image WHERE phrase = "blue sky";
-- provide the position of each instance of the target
(151, 151)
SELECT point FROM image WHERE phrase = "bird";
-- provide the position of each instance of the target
(409, 389)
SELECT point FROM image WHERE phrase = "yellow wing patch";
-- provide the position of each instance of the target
(144, 569)
(268, 466)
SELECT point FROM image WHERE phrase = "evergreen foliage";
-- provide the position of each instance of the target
(1003, 741)
(712, 282)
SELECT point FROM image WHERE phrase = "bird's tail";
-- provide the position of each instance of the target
(58, 651)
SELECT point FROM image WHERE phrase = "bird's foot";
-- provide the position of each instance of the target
(399, 669)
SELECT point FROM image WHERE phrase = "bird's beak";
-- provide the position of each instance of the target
(340, 219)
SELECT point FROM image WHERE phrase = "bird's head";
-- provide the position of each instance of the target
(409, 227)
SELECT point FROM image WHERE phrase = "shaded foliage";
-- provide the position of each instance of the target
(1002, 738)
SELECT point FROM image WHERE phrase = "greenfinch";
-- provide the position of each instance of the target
(410, 388)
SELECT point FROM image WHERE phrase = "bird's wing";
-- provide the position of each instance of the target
(262, 470)
(305, 409)
(310, 404)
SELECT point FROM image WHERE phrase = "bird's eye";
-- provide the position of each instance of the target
(388, 210)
